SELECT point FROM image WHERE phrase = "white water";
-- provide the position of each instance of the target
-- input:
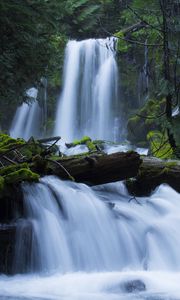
(88, 104)
(27, 119)
(92, 243)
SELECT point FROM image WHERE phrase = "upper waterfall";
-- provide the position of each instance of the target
(88, 104)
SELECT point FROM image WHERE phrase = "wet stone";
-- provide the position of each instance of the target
(134, 286)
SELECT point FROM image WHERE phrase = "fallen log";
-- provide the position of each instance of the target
(152, 173)
(97, 168)
(142, 174)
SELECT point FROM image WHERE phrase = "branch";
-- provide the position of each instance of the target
(129, 40)
(61, 166)
(134, 28)
(9, 160)
(142, 20)
(151, 117)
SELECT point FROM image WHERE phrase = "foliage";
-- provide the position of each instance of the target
(33, 36)
(149, 117)
(159, 145)
(158, 39)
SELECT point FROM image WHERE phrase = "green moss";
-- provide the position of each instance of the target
(21, 175)
(171, 164)
(7, 140)
(12, 168)
(91, 146)
(83, 141)
(6, 143)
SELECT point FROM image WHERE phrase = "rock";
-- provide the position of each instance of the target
(134, 286)
(7, 242)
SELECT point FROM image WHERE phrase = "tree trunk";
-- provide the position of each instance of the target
(167, 76)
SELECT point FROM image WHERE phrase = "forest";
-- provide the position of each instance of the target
(89, 149)
(33, 39)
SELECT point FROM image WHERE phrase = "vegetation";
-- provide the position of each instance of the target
(34, 34)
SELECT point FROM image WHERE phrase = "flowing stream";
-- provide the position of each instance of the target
(96, 243)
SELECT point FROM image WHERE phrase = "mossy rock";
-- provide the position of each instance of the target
(12, 168)
(91, 146)
(86, 140)
(21, 175)
(83, 141)
(7, 143)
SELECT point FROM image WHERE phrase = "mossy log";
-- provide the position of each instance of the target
(143, 174)
(97, 168)
(152, 173)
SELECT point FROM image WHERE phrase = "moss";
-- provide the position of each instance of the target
(6, 140)
(91, 146)
(171, 164)
(83, 141)
(21, 175)
(12, 168)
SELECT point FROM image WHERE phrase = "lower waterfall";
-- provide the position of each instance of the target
(26, 122)
(95, 243)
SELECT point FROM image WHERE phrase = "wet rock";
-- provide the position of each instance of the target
(134, 286)
(7, 242)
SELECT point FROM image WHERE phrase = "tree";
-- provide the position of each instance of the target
(160, 33)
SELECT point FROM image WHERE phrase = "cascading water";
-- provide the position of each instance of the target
(76, 228)
(27, 118)
(89, 104)
(93, 243)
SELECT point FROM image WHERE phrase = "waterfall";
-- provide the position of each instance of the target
(26, 121)
(77, 242)
(88, 104)
(77, 228)
(30, 119)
